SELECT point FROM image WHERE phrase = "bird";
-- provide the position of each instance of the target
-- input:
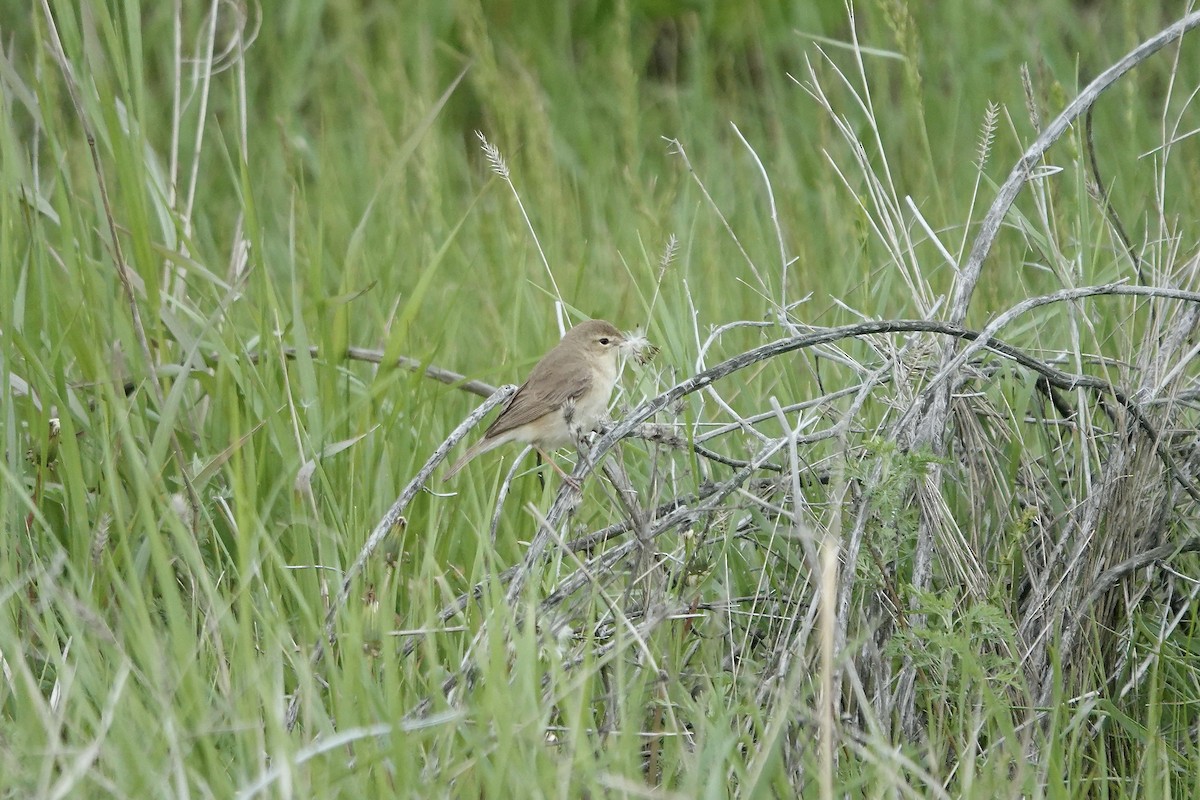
(566, 393)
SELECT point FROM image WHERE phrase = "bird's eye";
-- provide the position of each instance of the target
(604, 340)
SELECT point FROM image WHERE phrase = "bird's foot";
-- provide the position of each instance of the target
(571, 481)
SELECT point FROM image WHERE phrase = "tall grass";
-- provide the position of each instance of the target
(866, 565)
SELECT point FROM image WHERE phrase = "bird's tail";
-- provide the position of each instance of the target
(482, 446)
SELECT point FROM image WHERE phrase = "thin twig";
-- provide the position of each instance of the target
(391, 520)
(123, 271)
(989, 226)
(373, 356)
(1103, 197)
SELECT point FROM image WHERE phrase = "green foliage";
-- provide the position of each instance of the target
(963, 649)
(889, 471)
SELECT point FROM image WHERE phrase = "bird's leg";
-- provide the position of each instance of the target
(572, 482)
(582, 448)
(568, 414)
(541, 476)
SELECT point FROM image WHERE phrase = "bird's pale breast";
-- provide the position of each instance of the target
(554, 430)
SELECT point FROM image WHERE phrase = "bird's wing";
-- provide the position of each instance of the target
(535, 399)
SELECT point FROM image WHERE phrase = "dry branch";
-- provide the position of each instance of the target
(929, 425)
(393, 519)
(684, 511)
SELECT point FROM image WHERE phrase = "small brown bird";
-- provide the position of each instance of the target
(567, 392)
